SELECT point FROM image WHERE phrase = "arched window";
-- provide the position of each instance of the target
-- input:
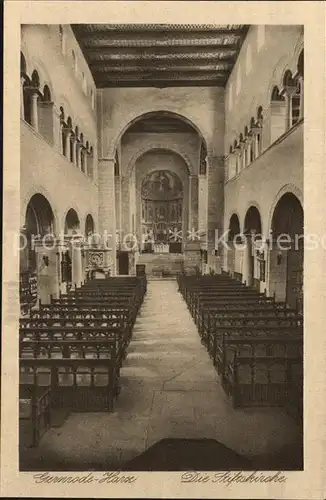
(259, 133)
(72, 223)
(22, 65)
(291, 91)
(300, 76)
(63, 132)
(252, 148)
(77, 142)
(277, 114)
(46, 94)
(35, 79)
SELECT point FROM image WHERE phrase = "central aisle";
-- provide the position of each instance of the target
(169, 389)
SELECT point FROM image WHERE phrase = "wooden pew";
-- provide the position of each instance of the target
(259, 343)
(34, 413)
(264, 380)
(98, 337)
(208, 322)
(76, 384)
(215, 338)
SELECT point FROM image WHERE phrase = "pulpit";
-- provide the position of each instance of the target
(98, 262)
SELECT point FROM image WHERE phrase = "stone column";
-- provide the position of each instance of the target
(84, 159)
(47, 268)
(125, 203)
(76, 260)
(215, 209)
(78, 147)
(289, 91)
(118, 204)
(34, 111)
(66, 142)
(73, 148)
(107, 217)
(193, 203)
(202, 203)
(248, 151)
(242, 156)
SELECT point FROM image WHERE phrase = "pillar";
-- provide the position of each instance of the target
(34, 111)
(118, 204)
(248, 151)
(83, 159)
(202, 203)
(193, 203)
(107, 216)
(73, 148)
(289, 91)
(47, 268)
(125, 203)
(78, 146)
(76, 261)
(215, 209)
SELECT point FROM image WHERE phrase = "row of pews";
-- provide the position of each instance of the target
(255, 343)
(71, 352)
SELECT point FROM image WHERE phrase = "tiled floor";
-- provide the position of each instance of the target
(169, 389)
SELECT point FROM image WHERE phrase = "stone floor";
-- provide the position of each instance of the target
(170, 389)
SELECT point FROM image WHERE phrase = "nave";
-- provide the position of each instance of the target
(169, 388)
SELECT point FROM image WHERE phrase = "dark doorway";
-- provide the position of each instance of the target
(123, 262)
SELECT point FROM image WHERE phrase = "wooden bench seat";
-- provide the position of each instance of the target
(263, 380)
(207, 321)
(75, 334)
(215, 337)
(258, 344)
(76, 384)
(34, 413)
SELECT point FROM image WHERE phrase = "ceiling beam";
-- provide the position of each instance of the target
(215, 68)
(160, 84)
(167, 41)
(218, 54)
(157, 28)
(153, 75)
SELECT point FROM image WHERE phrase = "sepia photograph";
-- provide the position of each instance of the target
(159, 293)
(161, 255)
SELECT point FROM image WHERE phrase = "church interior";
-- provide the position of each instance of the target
(161, 247)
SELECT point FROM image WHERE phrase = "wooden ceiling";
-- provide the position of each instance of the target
(160, 55)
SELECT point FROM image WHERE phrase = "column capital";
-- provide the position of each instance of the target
(33, 91)
(218, 161)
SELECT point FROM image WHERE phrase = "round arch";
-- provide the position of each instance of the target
(287, 188)
(89, 225)
(157, 146)
(129, 121)
(252, 220)
(234, 226)
(287, 217)
(39, 189)
(39, 216)
(72, 221)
